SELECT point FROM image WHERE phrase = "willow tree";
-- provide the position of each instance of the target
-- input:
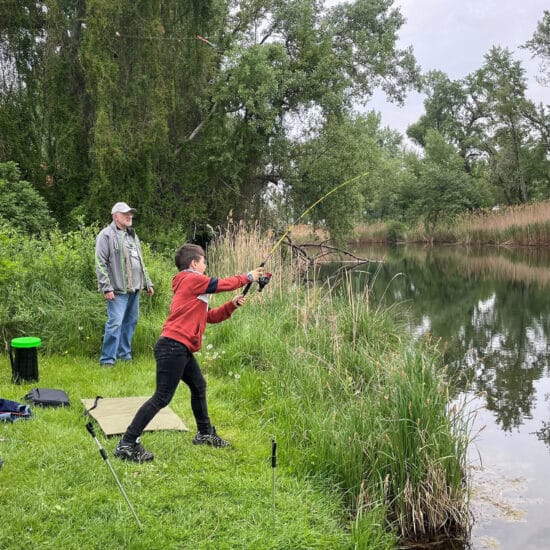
(185, 109)
(146, 74)
(95, 94)
(44, 108)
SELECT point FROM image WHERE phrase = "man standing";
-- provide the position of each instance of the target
(121, 274)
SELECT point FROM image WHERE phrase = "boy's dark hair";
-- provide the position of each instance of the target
(187, 253)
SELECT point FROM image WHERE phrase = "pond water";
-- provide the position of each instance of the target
(490, 309)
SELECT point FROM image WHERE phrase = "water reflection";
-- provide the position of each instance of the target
(490, 308)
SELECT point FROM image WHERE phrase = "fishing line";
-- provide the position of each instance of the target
(305, 212)
(198, 37)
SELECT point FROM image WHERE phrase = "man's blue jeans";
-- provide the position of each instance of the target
(122, 318)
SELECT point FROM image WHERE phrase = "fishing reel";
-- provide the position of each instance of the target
(263, 280)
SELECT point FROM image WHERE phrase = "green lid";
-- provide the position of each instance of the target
(26, 342)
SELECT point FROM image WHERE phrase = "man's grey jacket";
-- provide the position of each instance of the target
(110, 265)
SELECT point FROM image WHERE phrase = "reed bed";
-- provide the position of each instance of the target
(355, 404)
(527, 224)
(501, 218)
(521, 225)
(358, 410)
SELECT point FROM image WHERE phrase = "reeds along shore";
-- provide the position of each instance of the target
(357, 408)
(357, 404)
(522, 225)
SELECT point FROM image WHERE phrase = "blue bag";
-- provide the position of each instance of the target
(10, 411)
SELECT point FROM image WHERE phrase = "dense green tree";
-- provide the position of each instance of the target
(21, 206)
(184, 109)
(539, 116)
(497, 131)
(498, 88)
(342, 150)
(44, 108)
(445, 189)
(21, 44)
(145, 72)
(300, 74)
(449, 111)
(539, 46)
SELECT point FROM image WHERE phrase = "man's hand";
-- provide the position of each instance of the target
(109, 296)
(150, 291)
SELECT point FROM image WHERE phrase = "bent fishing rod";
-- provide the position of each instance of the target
(264, 279)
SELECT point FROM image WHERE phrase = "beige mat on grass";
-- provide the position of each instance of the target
(114, 414)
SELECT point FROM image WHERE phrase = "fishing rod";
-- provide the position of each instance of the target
(264, 279)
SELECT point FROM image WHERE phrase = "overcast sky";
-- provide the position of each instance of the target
(454, 35)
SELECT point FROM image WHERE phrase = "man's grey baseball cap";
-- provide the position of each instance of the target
(122, 208)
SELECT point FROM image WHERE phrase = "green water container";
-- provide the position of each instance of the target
(24, 359)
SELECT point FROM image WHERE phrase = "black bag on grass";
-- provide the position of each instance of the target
(45, 397)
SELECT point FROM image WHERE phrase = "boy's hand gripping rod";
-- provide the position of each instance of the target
(265, 278)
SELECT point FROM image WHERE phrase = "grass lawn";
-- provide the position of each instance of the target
(57, 492)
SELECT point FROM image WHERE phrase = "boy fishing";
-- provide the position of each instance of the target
(182, 336)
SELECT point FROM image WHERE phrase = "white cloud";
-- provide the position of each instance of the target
(454, 35)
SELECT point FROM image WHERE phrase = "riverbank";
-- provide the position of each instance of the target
(489, 307)
(359, 411)
(523, 225)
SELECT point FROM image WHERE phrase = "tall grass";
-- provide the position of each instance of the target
(358, 406)
(358, 410)
(48, 289)
(522, 225)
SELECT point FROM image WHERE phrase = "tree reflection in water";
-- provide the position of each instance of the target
(489, 308)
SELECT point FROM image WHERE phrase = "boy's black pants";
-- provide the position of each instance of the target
(174, 363)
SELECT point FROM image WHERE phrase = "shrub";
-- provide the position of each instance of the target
(396, 231)
(20, 203)
(48, 289)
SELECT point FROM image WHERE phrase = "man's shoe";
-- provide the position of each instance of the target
(133, 451)
(211, 438)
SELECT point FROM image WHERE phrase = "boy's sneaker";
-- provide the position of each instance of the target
(133, 451)
(211, 438)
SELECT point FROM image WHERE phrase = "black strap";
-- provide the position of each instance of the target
(87, 411)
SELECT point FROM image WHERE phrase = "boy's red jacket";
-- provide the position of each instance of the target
(189, 311)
